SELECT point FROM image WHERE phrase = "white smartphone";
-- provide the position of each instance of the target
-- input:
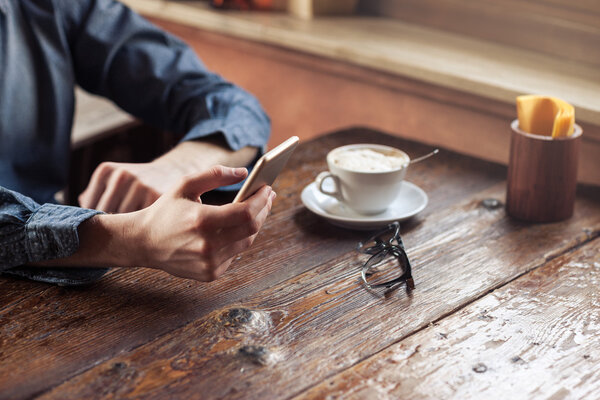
(267, 168)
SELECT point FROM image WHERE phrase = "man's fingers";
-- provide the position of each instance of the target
(228, 254)
(133, 201)
(243, 231)
(116, 189)
(241, 238)
(220, 270)
(138, 197)
(236, 214)
(92, 194)
(193, 186)
(227, 243)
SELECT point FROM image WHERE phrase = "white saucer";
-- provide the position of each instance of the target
(410, 201)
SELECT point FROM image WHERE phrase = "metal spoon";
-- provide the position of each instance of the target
(419, 159)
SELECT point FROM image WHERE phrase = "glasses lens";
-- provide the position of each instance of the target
(384, 269)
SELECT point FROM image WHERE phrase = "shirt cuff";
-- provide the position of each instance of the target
(236, 134)
(51, 231)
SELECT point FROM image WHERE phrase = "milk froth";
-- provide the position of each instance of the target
(369, 160)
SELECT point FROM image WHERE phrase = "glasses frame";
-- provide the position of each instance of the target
(381, 249)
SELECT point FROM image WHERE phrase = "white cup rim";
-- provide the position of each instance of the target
(372, 146)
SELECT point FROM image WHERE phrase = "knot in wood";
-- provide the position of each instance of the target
(239, 316)
(119, 365)
(242, 321)
(484, 316)
(480, 368)
(182, 363)
(257, 354)
(117, 372)
(517, 360)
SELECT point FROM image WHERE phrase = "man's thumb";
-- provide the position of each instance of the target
(192, 186)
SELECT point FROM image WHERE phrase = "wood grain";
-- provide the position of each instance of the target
(320, 322)
(536, 338)
(291, 311)
(69, 330)
(296, 334)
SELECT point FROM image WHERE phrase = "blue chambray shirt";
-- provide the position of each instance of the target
(48, 46)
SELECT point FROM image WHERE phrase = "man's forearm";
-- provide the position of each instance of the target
(199, 155)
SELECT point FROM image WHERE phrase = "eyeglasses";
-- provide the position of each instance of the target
(388, 264)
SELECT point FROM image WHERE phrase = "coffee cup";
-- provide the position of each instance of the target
(365, 177)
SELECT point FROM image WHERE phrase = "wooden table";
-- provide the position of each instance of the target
(502, 309)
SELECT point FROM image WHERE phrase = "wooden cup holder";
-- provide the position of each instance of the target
(542, 175)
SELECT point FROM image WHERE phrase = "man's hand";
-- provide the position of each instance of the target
(177, 233)
(188, 239)
(124, 187)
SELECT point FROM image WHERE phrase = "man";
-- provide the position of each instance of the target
(153, 213)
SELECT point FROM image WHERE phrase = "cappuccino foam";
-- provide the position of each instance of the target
(369, 160)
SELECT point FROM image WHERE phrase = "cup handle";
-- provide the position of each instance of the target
(321, 179)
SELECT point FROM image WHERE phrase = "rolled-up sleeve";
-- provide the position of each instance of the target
(156, 77)
(30, 232)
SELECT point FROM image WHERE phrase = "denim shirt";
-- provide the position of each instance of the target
(49, 46)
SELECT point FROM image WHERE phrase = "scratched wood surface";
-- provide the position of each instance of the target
(291, 313)
(538, 337)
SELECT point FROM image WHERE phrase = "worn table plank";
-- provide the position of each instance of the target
(296, 334)
(141, 332)
(70, 330)
(536, 338)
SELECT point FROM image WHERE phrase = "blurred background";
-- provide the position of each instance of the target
(443, 72)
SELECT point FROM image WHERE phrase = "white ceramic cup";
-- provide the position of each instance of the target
(366, 192)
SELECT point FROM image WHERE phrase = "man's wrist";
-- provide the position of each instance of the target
(108, 240)
(105, 240)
